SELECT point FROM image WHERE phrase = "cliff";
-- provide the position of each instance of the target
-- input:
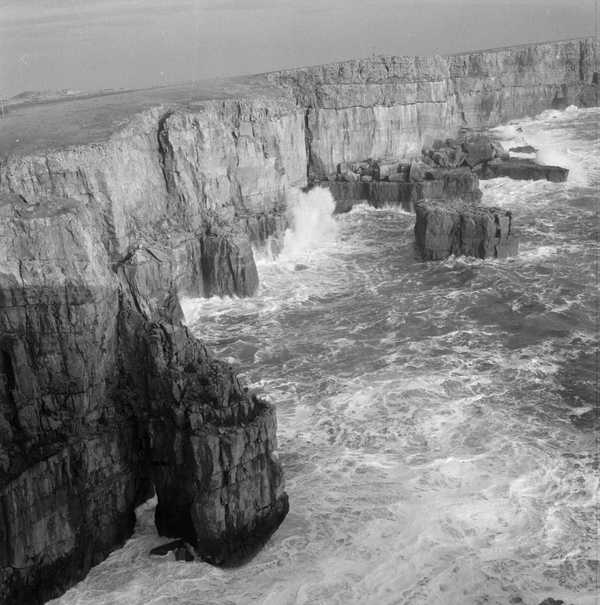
(389, 107)
(113, 205)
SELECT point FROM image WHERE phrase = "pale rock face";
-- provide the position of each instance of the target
(230, 159)
(392, 106)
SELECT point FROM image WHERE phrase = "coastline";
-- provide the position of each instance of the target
(169, 199)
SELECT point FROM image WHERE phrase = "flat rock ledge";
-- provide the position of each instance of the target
(444, 228)
(521, 169)
(403, 192)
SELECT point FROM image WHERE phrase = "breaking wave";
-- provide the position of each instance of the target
(435, 419)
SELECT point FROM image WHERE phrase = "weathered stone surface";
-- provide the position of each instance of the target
(523, 170)
(450, 184)
(443, 228)
(175, 177)
(102, 397)
(478, 149)
(390, 107)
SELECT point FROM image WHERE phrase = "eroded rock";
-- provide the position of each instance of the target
(438, 183)
(445, 228)
(522, 169)
(104, 397)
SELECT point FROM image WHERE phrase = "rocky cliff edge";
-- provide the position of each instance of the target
(111, 206)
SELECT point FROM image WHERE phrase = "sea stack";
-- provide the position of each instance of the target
(443, 228)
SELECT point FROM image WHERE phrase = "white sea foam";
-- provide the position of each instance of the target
(429, 454)
(312, 223)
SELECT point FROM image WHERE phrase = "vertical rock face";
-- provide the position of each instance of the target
(443, 228)
(102, 397)
(190, 180)
(448, 184)
(68, 455)
(389, 107)
(103, 394)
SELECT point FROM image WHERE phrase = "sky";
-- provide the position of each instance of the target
(97, 44)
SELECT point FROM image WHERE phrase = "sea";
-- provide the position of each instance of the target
(436, 420)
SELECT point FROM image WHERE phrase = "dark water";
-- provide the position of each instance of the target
(435, 419)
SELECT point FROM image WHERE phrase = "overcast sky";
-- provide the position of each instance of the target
(95, 44)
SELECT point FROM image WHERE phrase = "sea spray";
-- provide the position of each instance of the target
(312, 227)
(312, 223)
(545, 135)
(431, 417)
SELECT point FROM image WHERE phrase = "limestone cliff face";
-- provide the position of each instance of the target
(202, 181)
(104, 395)
(388, 107)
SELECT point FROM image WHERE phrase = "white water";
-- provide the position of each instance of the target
(431, 415)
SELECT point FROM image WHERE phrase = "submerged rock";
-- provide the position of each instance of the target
(443, 228)
(523, 149)
(522, 169)
(180, 548)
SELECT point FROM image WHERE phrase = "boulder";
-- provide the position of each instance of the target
(478, 148)
(443, 156)
(417, 171)
(522, 169)
(499, 151)
(388, 169)
(443, 228)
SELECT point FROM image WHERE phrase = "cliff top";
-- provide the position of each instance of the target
(34, 122)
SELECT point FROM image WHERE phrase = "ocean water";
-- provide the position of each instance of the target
(435, 419)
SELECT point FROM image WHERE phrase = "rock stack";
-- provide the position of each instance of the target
(443, 228)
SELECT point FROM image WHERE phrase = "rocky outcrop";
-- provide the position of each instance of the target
(103, 398)
(443, 228)
(436, 183)
(519, 169)
(113, 205)
(188, 180)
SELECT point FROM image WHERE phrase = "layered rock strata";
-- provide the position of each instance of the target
(444, 228)
(390, 107)
(115, 204)
(446, 184)
(104, 399)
